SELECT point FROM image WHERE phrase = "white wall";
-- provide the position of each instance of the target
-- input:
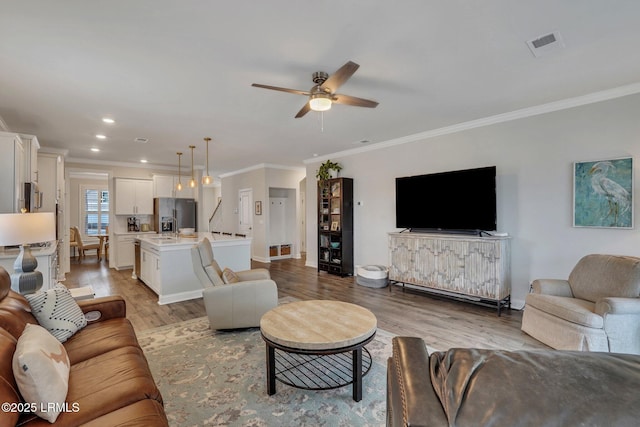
(259, 180)
(208, 205)
(534, 158)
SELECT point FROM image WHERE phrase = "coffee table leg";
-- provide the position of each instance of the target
(271, 370)
(357, 374)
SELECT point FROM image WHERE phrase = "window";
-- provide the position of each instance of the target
(95, 209)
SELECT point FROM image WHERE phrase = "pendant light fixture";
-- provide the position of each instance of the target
(192, 182)
(179, 185)
(206, 179)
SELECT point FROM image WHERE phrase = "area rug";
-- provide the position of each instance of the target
(218, 378)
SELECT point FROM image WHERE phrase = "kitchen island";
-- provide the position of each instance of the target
(166, 268)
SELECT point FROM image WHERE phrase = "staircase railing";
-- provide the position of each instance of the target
(215, 216)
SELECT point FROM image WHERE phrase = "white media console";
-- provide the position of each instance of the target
(472, 268)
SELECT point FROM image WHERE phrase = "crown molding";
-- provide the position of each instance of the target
(263, 166)
(564, 104)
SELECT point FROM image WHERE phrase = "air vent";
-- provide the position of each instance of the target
(543, 41)
(545, 44)
(142, 140)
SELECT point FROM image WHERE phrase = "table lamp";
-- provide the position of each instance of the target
(24, 229)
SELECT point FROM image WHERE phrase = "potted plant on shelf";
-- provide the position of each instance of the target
(324, 171)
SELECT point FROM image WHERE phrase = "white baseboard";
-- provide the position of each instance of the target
(517, 304)
(180, 296)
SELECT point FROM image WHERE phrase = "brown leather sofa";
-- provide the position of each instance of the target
(109, 382)
(473, 387)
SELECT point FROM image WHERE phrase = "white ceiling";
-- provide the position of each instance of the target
(177, 71)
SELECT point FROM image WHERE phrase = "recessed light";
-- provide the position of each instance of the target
(95, 150)
(142, 140)
(108, 120)
(143, 161)
(99, 136)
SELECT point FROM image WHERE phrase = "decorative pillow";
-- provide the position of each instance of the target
(41, 369)
(229, 276)
(57, 311)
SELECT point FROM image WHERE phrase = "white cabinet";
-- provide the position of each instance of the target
(125, 251)
(31, 147)
(476, 268)
(12, 167)
(150, 269)
(51, 187)
(165, 186)
(134, 196)
(51, 176)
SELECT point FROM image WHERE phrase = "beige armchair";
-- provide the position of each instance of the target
(73, 242)
(596, 309)
(82, 247)
(233, 305)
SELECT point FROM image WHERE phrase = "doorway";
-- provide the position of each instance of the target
(245, 211)
(283, 226)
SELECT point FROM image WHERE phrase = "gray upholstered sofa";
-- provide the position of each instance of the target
(541, 388)
(232, 305)
(596, 309)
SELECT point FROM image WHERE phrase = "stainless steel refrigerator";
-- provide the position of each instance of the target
(171, 214)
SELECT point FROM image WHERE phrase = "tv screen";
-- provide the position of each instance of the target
(463, 200)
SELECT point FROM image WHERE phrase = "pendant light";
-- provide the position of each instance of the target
(179, 185)
(206, 179)
(192, 182)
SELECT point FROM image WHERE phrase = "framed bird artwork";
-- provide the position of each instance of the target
(603, 193)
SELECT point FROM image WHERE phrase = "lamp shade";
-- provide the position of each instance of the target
(27, 228)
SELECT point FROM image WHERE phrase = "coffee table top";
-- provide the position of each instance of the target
(318, 325)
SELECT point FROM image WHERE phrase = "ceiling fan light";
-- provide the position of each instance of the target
(320, 102)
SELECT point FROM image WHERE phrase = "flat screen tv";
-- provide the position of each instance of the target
(456, 201)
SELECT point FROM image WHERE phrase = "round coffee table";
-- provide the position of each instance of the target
(312, 330)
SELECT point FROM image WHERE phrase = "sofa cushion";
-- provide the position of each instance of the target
(573, 310)
(228, 276)
(108, 382)
(99, 338)
(41, 370)
(57, 311)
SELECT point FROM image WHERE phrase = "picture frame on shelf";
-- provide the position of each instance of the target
(603, 193)
(334, 226)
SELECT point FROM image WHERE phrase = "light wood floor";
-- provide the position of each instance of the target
(441, 323)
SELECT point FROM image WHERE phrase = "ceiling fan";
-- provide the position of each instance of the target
(323, 93)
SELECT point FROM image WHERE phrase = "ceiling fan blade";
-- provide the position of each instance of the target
(304, 110)
(352, 100)
(338, 78)
(283, 89)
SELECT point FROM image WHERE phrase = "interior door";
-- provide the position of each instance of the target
(245, 211)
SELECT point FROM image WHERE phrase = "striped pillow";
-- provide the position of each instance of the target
(57, 311)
